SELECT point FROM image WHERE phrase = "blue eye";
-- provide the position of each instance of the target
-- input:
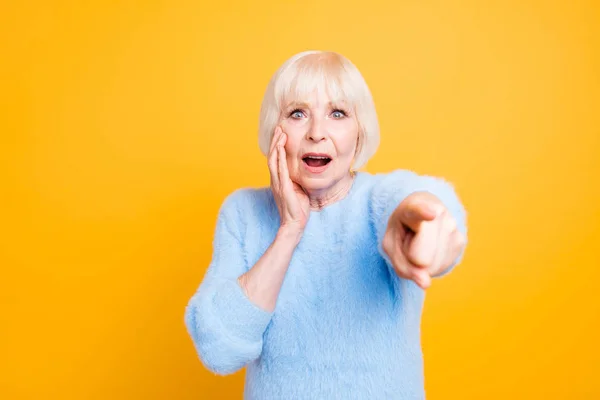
(337, 114)
(296, 114)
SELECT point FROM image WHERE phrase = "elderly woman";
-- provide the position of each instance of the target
(317, 283)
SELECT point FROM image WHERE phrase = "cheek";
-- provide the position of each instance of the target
(295, 133)
(293, 162)
(345, 138)
(294, 127)
(292, 149)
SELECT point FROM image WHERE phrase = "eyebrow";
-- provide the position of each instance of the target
(299, 104)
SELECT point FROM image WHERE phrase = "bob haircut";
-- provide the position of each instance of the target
(309, 71)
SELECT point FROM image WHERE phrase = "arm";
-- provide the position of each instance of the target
(263, 282)
(225, 326)
(400, 194)
(228, 315)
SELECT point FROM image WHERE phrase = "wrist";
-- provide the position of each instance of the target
(289, 234)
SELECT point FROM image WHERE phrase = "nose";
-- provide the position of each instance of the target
(316, 131)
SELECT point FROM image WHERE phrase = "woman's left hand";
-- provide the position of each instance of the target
(421, 239)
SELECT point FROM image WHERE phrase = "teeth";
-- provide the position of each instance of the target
(318, 157)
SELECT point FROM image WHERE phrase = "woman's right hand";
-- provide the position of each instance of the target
(262, 283)
(292, 202)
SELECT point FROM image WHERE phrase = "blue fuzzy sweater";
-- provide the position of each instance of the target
(345, 325)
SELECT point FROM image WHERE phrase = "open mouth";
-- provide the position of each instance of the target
(316, 161)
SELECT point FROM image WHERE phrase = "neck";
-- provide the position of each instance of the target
(324, 197)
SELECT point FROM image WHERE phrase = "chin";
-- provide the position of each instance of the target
(312, 183)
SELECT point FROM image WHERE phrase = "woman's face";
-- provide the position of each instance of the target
(321, 142)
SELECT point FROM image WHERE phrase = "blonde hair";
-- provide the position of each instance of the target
(310, 71)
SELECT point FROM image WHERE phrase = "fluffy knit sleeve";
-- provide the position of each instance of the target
(391, 188)
(225, 326)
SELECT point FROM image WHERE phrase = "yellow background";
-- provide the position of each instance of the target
(125, 124)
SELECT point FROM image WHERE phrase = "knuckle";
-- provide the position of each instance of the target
(451, 222)
(422, 258)
(419, 260)
(402, 270)
(387, 244)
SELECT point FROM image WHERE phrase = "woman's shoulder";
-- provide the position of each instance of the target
(369, 177)
(374, 186)
(247, 200)
(366, 180)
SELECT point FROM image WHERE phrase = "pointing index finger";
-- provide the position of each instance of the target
(416, 213)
